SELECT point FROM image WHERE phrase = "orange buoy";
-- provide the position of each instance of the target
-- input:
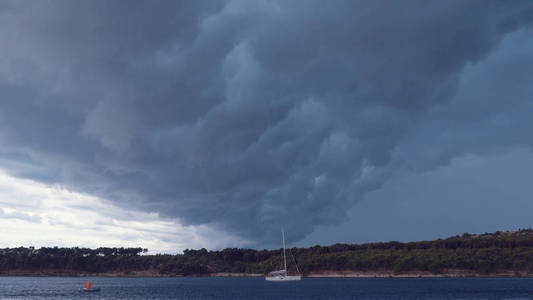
(89, 285)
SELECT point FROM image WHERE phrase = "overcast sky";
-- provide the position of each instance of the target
(187, 124)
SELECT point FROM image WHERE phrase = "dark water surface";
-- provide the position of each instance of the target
(258, 288)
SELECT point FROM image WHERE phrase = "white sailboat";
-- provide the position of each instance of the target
(282, 275)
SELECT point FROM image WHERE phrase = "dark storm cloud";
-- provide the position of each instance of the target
(247, 115)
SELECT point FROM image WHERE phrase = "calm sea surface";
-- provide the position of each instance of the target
(258, 288)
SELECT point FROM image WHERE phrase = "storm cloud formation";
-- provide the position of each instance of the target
(247, 115)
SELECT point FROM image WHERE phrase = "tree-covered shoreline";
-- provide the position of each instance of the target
(487, 253)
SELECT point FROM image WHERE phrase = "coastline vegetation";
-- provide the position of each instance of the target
(479, 253)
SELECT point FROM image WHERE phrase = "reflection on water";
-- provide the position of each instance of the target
(258, 288)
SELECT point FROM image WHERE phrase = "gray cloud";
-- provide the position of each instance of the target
(244, 115)
(472, 193)
(20, 216)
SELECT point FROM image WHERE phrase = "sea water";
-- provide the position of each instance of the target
(257, 288)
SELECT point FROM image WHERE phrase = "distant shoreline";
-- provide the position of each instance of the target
(316, 274)
(499, 254)
(415, 274)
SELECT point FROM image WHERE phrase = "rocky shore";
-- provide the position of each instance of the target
(316, 274)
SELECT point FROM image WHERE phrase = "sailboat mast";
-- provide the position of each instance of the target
(284, 258)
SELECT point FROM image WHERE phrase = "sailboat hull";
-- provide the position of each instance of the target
(281, 275)
(283, 278)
